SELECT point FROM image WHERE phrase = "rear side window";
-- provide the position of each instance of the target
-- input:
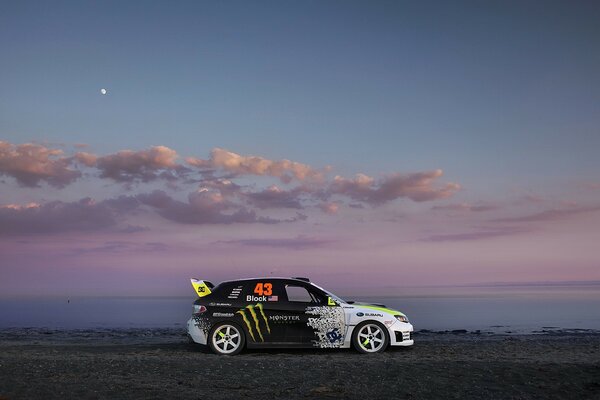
(298, 294)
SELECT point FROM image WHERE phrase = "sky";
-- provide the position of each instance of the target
(368, 145)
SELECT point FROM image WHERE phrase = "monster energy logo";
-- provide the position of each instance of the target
(252, 311)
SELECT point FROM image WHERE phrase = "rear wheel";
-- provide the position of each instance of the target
(370, 337)
(226, 338)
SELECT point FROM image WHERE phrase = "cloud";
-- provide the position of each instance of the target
(417, 187)
(551, 215)
(466, 207)
(298, 243)
(218, 200)
(84, 215)
(87, 159)
(329, 208)
(118, 247)
(133, 229)
(32, 163)
(129, 166)
(476, 235)
(238, 164)
(275, 197)
(205, 207)
(56, 216)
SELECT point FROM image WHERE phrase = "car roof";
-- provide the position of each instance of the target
(279, 278)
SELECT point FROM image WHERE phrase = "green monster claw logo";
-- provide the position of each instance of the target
(250, 308)
(243, 314)
(260, 307)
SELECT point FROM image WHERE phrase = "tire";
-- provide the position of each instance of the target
(370, 337)
(226, 338)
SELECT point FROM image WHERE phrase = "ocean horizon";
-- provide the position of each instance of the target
(515, 309)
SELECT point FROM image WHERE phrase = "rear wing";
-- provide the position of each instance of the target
(202, 288)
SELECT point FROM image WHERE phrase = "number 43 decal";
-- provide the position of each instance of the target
(265, 289)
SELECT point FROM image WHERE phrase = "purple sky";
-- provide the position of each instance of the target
(366, 145)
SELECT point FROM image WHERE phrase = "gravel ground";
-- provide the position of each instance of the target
(159, 364)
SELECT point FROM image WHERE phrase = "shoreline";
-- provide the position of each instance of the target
(29, 335)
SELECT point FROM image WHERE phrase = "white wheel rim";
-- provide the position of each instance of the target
(371, 338)
(226, 339)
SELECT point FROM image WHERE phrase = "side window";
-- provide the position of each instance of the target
(298, 294)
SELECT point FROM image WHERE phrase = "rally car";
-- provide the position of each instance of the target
(290, 312)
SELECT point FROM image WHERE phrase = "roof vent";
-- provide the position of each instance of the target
(301, 278)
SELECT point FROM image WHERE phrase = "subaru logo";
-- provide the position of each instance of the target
(359, 314)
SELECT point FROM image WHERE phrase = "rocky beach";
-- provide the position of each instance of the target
(161, 364)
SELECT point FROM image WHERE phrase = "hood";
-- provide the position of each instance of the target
(378, 307)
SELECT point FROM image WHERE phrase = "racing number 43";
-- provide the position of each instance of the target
(265, 289)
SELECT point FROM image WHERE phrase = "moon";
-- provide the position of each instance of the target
(103, 91)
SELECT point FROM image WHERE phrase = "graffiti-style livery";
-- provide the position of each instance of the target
(290, 312)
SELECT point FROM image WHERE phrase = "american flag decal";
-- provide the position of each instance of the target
(273, 298)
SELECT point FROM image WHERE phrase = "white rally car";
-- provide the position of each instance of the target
(290, 312)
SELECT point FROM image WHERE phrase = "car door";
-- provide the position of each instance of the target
(299, 299)
(263, 301)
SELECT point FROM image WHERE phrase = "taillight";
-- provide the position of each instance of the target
(199, 309)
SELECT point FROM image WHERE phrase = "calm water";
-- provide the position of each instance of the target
(499, 309)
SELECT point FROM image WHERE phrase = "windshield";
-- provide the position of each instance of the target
(333, 296)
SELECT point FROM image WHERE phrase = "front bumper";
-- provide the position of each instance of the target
(401, 334)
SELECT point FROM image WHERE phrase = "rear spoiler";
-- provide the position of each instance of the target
(202, 288)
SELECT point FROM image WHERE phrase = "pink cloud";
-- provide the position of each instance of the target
(329, 208)
(218, 200)
(551, 215)
(475, 235)
(129, 166)
(297, 243)
(115, 247)
(417, 187)
(275, 197)
(466, 207)
(31, 164)
(205, 207)
(238, 164)
(56, 216)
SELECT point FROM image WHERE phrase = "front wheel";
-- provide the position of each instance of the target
(370, 337)
(226, 339)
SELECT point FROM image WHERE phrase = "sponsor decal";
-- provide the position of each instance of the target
(251, 298)
(235, 292)
(202, 323)
(361, 314)
(373, 315)
(334, 335)
(220, 304)
(222, 314)
(273, 298)
(326, 320)
(251, 310)
(263, 288)
(284, 318)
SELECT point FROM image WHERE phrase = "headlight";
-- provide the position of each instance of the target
(401, 318)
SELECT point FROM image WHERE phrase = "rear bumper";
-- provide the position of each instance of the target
(198, 335)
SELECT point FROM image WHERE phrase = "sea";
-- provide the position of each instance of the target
(518, 309)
